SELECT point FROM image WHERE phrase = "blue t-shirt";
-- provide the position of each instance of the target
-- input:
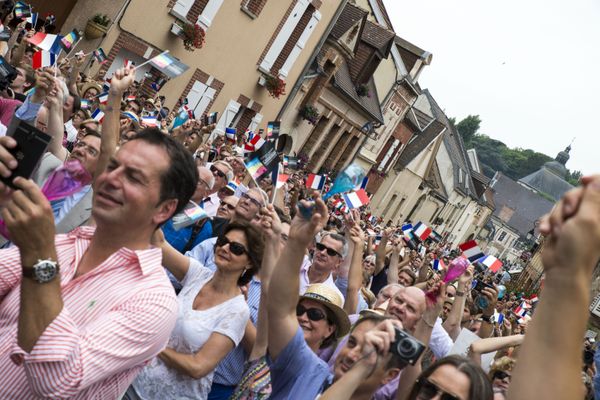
(178, 239)
(298, 373)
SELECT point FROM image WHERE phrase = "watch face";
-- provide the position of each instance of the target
(45, 271)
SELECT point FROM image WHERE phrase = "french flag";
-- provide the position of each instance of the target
(150, 121)
(128, 64)
(492, 263)
(356, 199)
(438, 265)
(520, 311)
(534, 299)
(103, 98)
(315, 181)
(471, 250)
(363, 183)
(46, 41)
(254, 144)
(422, 231)
(42, 59)
(281, 180)
(230, 134)
(98, 115)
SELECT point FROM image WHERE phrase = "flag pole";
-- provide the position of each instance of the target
(275, 185)
(152, 58)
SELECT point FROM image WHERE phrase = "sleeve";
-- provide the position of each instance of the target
(296, 356)
(440, 342)
(342, 284)
(196, 272)
(233, 324)
(10, 270)
(123, 338)
(28, 111)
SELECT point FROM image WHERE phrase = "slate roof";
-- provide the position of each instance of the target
(378, 37)
(347, 19)
(546, 181)
(418, 143)
(370, 105)
(527, 205)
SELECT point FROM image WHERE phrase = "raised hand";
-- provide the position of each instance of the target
(304, 230)
(270, 224)
(44, 83)
(122, 79)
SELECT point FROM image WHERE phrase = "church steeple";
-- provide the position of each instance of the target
(564, 156)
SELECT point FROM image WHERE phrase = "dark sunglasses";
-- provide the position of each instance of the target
(314, 314)
(330, 252)
(257, 203)
(428, 390)
(501, 375)
(236, 248)
(215, 170)
(228, 206)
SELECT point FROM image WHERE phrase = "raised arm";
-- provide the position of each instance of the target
(570, 253)
(55, 122)
(121, 80)
(174, 261)
(424, 268)
(381, 250)
(484, 346)
(453, 322)
(395, 264)
(357, 236)
(283, 297)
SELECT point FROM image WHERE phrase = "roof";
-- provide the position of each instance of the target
(378, 37)
(526, 206)
(418, 143)
(435, 181)
(455, 146)
(350, 15)
(369, 104)
(546, 181)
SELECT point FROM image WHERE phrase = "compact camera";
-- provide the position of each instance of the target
(407, 347)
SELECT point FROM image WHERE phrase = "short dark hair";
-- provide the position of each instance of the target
(92, 132)
(255, 248)
(180, 179)
(480, 387)
(395, 361)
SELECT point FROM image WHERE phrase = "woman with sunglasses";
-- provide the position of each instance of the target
(212, 316)
(451, 378)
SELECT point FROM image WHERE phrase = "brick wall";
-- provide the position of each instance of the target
(360, 61)
(253, 7)
(202, 76)
(128, 42)
(293, 39)
(194, 12)
(277, 30)
(245, 120)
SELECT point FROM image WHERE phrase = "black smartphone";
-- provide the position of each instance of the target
(210, 119)
(480, 285)
(31, 146)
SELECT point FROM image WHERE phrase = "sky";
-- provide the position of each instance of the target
(529, 68)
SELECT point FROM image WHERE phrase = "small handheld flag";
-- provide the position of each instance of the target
(255, 168)
(422, 231)
(46, 41)
(491, 262)
(42, 59)
(128, 64)
(356, 199)
(69, 40)
(85, 104)
(149, 121)
(438, 264)
(98, 115)
(281, 180)
(100, 56)
(33, 19)
(316, 182)
(273, 130)
(363, 183)
(230, 134)
(347, 180)
(103, 98)
(471, 250)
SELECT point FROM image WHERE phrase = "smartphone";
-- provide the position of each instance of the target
(480, 285)
(211, 118)
(31, 146)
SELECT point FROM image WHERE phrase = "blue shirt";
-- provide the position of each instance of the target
(342, 284)
(230, 370)
(298, 373)
(28, 110)
(597, 376)
(205, 253)
(178, 239)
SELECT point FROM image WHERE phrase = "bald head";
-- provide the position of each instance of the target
(407, 306)
(206, 182)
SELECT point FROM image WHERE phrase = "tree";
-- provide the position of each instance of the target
(468, 128)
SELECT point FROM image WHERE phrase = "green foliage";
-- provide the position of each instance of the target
(496, 156)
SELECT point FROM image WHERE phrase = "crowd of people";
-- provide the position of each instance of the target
(272, 293)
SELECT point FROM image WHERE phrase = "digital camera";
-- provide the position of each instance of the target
(407, 347)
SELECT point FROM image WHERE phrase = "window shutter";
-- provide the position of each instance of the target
(182, 8)
(289, 63)
(283, 35)
(209, 13)
(255, 122)
(207, 97)
(195, 94)
(227, 117)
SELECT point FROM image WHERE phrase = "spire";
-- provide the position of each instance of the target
(564, 156)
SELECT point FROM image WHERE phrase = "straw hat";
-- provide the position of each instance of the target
(332, 300)
(91, 85)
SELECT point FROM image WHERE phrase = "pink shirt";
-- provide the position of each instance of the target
(114, 320)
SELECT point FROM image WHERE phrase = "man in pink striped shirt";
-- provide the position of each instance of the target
(86, 331)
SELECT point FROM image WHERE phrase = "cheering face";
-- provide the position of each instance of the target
(87, 151)
(219, 171)
(369, 265)
(249, 205)
(352, 350)
(407, 306)
(313, 321)
(127, 193)
(385, 294)
(329, 257)
(405, 279)
(231, 254)
(91, 94)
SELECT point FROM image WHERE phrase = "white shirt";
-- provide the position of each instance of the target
(192, 329)
(211, 204)
(305, 281)
(440, 342)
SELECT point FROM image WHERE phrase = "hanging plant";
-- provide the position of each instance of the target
(193, 37)
(275, 86)
(311, 114)
(363, 90)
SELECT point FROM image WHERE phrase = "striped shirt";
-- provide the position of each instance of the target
(115, 319)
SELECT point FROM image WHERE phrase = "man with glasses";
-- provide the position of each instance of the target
(223, 173)
(330, 251)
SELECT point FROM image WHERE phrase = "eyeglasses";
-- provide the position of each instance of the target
(236, 248)
(230, 207)
(502, 375)
(219, 173)
(330, 252)
(314, 314)
(257, 203)
(91, 151)
(428, 390)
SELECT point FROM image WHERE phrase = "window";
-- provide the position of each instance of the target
(383, 165)
(208, 13)
(253, 7)
(199, 97)
(501, 236)
(291, 39)
(389, 205)
(227, 117)
(201, 12)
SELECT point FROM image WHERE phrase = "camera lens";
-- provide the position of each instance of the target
(481, 302)
(406, 348)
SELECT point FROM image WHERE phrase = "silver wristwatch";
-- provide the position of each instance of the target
(43, 271)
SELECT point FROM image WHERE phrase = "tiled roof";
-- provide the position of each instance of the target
(378, 37)
(347, 19)
(369, 104)
(418, 143)
(526, 205)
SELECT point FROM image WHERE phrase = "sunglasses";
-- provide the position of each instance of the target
(215, 170)
(236, 248)
(314, 314)
(257, 203)
(330, 252)
(502, 375)
(228, 206)
(428, 390)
